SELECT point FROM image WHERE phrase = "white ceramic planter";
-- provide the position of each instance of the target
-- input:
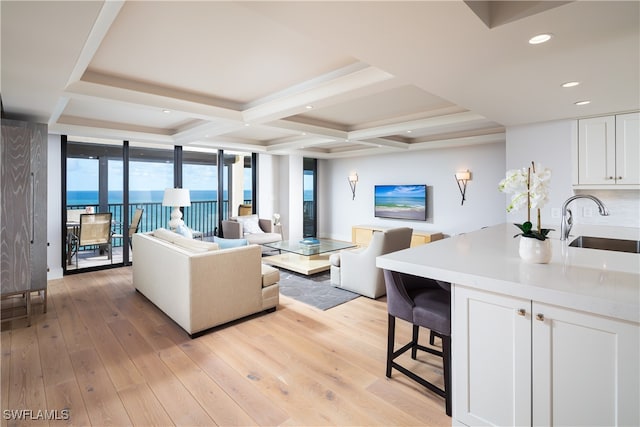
(535, 251)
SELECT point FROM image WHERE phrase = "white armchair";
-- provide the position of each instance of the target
(356, 271)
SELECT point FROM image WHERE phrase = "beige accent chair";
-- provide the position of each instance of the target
(257, 232)
(356, 271)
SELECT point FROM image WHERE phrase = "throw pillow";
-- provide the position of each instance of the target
(185, 231)
(230, 243)
(250, 224)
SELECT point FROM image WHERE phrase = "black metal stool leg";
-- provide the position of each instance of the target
(414, 348)
(391, 332)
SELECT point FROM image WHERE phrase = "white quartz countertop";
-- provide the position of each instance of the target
(595, 281)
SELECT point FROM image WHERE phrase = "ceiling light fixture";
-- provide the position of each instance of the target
(585, 102)
(166, 111)
(309, 107)
(540, 38)
(570, 84)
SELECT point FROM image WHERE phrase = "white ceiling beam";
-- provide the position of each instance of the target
(304, 128)
(207, 129)
(460, 142)
(96, 91)
(298, 143)
(401, 128)
(382, 142)
(296, 103)
(108, 133)
(107, 15)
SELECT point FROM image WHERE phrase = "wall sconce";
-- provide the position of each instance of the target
(462, 178)
(353, 179)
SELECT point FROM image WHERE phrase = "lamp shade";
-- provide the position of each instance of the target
(176, 197)
(466, 175)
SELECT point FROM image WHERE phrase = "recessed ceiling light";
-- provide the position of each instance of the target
(570, 84)
(309, 107)
(247, 124)
(540, 38)
(408, 131)
(166, 111)
(585, 102)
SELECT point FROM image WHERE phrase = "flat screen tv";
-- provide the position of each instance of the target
(401, 202)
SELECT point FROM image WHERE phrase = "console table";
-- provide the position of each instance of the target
(361, 235)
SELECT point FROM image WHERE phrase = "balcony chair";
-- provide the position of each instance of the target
(133, 227)
(245, 210)
(356, 271)
(95, 230)
(421, 302)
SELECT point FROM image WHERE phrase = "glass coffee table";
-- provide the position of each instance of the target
(302, 258)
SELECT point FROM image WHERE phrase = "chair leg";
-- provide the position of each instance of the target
(446, 365)
(391, 332)
(414, 348)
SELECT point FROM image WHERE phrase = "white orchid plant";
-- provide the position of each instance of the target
(530, 188)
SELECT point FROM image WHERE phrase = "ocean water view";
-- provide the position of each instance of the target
(81, 198)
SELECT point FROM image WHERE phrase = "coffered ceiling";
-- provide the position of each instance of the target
(323, 79)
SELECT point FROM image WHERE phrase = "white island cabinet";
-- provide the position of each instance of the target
(537, 344)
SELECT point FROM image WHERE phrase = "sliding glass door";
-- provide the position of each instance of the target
(123, 178)
(309, 197)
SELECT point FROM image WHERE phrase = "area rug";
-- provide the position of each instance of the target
(315, 290)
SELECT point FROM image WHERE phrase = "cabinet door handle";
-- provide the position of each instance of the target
(610, 177)
(619, 177)
(33, 206)
(540, 317)
(522, 312)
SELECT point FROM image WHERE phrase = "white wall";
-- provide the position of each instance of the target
(484, 204)
(549, 144)
(54, 250)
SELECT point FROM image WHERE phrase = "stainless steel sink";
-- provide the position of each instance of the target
(606, 244)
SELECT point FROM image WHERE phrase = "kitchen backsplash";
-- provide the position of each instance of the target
(623, 205)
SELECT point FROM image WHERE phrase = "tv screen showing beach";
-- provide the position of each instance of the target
(401, 202)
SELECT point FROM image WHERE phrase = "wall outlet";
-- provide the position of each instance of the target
(587, 212)
(556, 213)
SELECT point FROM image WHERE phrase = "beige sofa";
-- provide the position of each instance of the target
(198, 285)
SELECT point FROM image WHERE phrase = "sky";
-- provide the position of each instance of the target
(82, 175)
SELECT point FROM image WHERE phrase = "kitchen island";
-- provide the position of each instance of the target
(538, 344)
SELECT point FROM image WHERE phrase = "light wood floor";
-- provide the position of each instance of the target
(110, 357)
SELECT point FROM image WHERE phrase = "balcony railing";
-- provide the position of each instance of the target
(201, 215)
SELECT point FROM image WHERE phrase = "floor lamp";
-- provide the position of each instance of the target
(176, 197)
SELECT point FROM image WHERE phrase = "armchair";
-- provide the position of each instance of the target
(257, 231)
(356, 271)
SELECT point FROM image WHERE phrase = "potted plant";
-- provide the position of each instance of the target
(530, 188)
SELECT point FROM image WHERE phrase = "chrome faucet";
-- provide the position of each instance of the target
(567, 218)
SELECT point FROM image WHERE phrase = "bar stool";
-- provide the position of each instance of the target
(421, 302)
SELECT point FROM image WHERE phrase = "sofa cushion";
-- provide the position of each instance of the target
(261, 239)
(270, 275)
(167, 235)
(195, 245)
(250, 224)
(229, 243)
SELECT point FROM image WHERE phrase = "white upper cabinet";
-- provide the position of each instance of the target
(628, 148)
(608, 154)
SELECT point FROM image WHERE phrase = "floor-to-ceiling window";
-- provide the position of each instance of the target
(92, 185)
(200, 176)
(309, 197)
(123, 177)
(150, 173)
(237, 182)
